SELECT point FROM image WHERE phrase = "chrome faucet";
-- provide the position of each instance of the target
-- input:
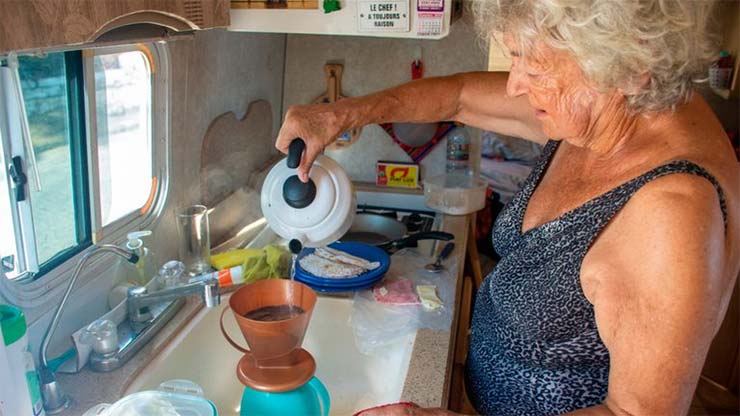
(54, 398)
(138, 300)
(148, 313)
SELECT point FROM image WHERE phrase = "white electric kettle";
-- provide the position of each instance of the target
(311, 214)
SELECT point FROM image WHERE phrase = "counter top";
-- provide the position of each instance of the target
(427, 380)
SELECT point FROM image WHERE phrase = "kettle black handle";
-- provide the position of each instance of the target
(296, 193)
(295, 151)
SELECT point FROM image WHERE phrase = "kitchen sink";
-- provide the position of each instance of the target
(355, 381)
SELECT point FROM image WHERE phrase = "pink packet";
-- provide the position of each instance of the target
(396, 292)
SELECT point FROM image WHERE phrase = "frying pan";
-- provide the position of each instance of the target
(387, 233)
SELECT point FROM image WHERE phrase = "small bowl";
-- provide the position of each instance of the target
(455, 194)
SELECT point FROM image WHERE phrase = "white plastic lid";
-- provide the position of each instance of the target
(325, 219)
(147, 403)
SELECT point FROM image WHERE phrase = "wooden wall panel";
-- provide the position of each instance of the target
(722, 358)
(33, 24)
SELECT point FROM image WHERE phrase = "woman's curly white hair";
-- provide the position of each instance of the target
(617, 42)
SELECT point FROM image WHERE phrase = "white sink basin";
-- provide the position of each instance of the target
(355, 381)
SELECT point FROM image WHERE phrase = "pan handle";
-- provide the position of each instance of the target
(411, 240)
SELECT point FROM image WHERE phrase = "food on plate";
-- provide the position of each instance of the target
(428, 296)
(331, 263)
(321, 267)
(397, 292)
(344, 257)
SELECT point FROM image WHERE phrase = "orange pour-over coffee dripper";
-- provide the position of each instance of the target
(275, 361)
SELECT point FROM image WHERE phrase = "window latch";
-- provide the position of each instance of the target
(19, 178)
(7, 264)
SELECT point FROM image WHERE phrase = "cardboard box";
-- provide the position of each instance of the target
(397, 174)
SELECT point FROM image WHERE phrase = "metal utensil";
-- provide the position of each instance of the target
(437, 266)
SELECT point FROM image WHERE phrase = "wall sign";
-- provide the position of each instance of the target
(383, 16)
(430, 5)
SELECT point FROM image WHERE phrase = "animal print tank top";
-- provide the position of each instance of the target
(534, 345)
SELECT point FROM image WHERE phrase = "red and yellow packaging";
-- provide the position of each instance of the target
(397, 174)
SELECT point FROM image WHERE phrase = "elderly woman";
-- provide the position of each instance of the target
(620, 252)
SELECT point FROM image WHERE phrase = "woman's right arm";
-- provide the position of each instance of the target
(477, 99)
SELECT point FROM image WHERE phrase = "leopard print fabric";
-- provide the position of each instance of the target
(534, 345)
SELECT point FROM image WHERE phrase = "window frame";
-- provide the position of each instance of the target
(28, 289)
(158, 146)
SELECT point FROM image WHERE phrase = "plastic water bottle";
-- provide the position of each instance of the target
(720, 72)
(458, 151)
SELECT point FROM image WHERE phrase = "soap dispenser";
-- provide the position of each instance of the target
(129, 275)
(145, 266)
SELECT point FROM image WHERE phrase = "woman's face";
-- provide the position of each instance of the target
(557, 90)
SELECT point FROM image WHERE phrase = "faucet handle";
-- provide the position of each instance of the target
(102, 336)
(211, 294)
(171, 274)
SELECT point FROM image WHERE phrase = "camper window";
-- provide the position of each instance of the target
(78, 143)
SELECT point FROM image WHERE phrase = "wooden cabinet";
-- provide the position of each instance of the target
(729, 20)
(718, 388)
(296, 16)
(35, 24)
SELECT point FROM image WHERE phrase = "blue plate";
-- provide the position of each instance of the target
(365, 251)
(342, 289)
(321, 283)
(337, 282)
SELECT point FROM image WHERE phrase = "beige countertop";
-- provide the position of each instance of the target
(427, 380)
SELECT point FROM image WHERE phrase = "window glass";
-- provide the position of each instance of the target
(123, 102)
(44, 86)
(116, 160)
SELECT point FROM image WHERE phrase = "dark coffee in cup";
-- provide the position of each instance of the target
(274, 313)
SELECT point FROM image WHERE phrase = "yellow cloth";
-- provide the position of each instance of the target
(231, 258)
(269, 262)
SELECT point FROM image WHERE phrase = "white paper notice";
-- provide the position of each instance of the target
(383, 16)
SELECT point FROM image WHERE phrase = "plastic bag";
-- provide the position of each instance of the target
(376, 326)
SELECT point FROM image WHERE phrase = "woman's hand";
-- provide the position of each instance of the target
(317, 124)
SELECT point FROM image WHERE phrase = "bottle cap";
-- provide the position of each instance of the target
(12, 323)
(134, 239)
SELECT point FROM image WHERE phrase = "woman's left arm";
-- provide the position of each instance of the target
(659, 295)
